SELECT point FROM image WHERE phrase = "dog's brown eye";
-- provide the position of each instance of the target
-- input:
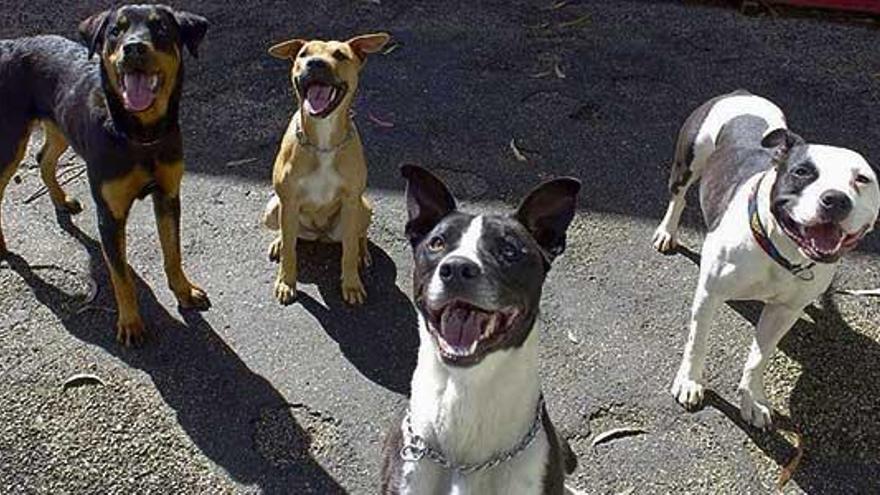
(863, 179)
(304, 54)
(436, 244)
(338, 55)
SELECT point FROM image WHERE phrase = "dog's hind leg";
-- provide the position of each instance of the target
(13, 144)
(776, 320)
(686, 170)
(54, 145)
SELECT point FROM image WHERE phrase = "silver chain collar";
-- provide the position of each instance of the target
(415, 448)
(304, 140)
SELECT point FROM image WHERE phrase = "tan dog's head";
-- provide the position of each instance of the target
(325, 73)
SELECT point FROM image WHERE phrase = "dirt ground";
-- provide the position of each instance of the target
(252, 397)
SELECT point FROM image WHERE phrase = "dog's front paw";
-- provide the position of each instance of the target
(664, 240)
(353, 291)
(193, 297)
(130, 331)
(71, 207)
(687, 392)
(275, 250)
(755, 409)
(285, 293)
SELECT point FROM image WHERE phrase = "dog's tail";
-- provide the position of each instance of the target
(270, 215)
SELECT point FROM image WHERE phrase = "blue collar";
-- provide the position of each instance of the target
(802, 271)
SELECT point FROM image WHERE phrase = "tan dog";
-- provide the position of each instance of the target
(320, 175)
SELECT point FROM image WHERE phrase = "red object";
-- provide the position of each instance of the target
(870, 6)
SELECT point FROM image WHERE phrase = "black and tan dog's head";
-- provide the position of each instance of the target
(325, 73)
(478, 279)
(141, 54)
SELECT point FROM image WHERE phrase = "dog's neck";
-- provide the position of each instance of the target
(326, 133)
(472, 414)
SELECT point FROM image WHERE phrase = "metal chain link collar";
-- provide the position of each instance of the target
(304, 140)
(415, 448)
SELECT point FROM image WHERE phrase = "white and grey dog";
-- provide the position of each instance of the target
(780, 213)
(477, 423)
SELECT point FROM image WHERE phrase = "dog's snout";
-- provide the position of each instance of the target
(835, 204)
(316, 63)
(459, 269)
(135, 49)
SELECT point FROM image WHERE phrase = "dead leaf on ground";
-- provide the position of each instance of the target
(789, 469)
(617, 433)
(520, 157)
(81, 379)
(238, 163)
(379, 122)
(558, 70)
(864, 292)
(540, 75)
(558, 5)
(584, 19)
(390, 48)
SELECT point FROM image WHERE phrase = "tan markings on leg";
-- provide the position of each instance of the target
(53, 146)
(129, 325)
(353, 214)
(120, 193)
(367, 218)
(6, 174)
(168, 177)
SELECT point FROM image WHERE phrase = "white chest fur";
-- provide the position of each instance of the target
(319, 187)
(473, 414)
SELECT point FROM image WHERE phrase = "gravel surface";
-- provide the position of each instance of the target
(253, 397)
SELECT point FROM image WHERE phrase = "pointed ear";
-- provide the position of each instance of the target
(368, 43)
(547, 212)
(428, 200)
(287, 50)
(192, 30)
(92, 30)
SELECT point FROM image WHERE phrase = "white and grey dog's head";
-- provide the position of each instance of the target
(477, 279)
(825, 198)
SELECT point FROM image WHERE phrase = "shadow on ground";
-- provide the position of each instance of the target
(830, 405)
(378, 338)
(223, 406)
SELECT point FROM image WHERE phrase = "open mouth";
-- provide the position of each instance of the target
(139, 90)
(465, 333)
(321, 99)
(823, 242)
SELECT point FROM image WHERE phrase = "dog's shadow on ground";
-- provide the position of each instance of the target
(834, 406)
(379, 337)
(233, 415)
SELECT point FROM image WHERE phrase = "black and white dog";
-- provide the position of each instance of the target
(476, 422)
(780, 213)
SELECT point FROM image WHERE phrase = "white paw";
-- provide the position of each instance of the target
(664, 240)
(687, 392)
(755, 409)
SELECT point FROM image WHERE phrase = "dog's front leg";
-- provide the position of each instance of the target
(353, 230)
(285, 283)
(166, 207)
(686, 388)
(776, 320)
(111, 224)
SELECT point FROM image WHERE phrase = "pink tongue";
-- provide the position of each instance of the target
(462, 327)
(318, 98)
(825, 237)
(137, 94)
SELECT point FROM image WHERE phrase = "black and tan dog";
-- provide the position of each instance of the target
(118, 113)
(320, 174)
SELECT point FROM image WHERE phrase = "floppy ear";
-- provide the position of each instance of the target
(368, 43)
(782, 141)
(192, 30)
(428, 200)
(92, 30)
(287, 50)
(547, 212)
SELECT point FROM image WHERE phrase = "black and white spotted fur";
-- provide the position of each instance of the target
(477, 400)
(733, 142)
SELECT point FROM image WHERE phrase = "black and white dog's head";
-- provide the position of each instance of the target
(478, 278)
(825, 198)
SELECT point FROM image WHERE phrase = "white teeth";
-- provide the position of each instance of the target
(154, 82)
(490, 327)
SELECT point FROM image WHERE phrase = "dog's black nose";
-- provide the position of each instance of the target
(316, 63)
(836, 205)
(135, 49)
(458, 268)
